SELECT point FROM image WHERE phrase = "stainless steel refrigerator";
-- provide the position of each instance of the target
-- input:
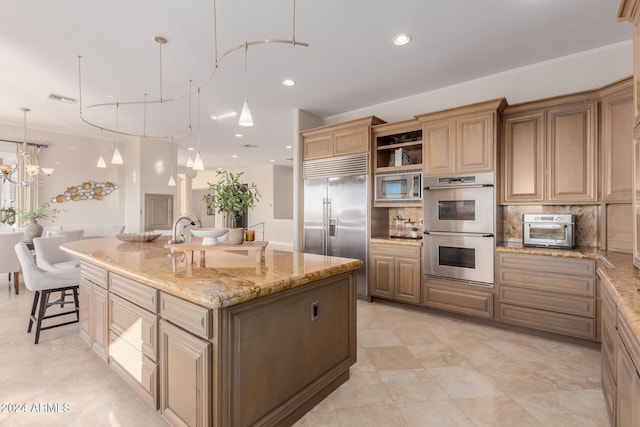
(336, 206)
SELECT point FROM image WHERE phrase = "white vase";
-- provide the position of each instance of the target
(235, 236)
(414, 234)
(33, 229)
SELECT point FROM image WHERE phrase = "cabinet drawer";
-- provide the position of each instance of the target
(136, 326)
(94, 274)
(395, 250)
(140, 372)
(468, 302)
(609, 308)
(548, 264)
(566, 324)
(142, 295)
(551, 301)
(189, 316)
(548, 281)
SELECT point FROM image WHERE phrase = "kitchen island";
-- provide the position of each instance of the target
(223, 340)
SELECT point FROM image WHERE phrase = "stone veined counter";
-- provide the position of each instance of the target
(221, 341)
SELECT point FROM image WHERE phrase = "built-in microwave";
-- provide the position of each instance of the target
(398, 187)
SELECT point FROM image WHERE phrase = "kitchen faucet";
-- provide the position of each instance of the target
(175, 239)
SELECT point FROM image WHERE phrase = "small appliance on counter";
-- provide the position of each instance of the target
(548, 230)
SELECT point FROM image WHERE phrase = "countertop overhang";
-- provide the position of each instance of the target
(221, 279)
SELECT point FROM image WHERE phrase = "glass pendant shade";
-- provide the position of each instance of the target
(101, 163)
(117, 157)
(172, 182)
(198, 165)
(245, 115)
(189, 161)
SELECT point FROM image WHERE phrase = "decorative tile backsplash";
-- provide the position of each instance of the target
(402, 219)
(586, 218)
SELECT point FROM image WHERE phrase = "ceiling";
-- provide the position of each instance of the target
(350, 62)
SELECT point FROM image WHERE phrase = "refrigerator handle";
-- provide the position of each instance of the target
(325, 217)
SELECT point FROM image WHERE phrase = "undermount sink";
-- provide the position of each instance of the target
(209, 235)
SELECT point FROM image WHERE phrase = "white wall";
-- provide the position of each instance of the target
(583, 71)
(74, 159)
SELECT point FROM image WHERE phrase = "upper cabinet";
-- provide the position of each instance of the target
(398, 146)
(353, 137)
(461, 140)
(616, 139)
(629, 10)
(549, 151)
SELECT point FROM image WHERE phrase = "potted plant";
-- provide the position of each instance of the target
(414, 232)
(231, 197)
(31, 218)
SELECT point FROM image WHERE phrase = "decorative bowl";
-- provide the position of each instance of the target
(138, 237)
(209, 235)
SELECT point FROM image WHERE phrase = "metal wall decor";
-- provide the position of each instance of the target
(86, 191)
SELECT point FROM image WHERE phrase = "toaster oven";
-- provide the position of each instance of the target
(552, 231)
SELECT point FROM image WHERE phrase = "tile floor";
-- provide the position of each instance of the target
(414, 369)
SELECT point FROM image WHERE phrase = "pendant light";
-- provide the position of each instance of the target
(198, 165)
(189, 160)
(101, 163)
(245, 114)
(117, 157)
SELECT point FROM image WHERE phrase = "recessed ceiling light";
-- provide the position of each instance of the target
(234, 156)
(238, 135)
(288, 146)
(288, 82)
(272, 160)
(401, 39)
(191, 149)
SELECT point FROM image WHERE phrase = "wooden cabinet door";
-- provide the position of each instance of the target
(625, 399)
(84, 294)
(351, 141)
(382, 276)
(571, 154)
(617, 145)
(439, 147)
(100, 332)
(475, 143)
(185, 388)
(407, 280)
(318, 147)
(523, 158)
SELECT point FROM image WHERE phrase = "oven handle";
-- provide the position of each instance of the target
(446, 233)
(449, 187)
(547, 226)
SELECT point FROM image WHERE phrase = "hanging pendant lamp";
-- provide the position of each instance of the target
(198, 165)
(117, 157)
(101, 163)
(245, 114)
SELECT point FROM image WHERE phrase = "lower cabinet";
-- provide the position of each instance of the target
(628, 376)
(185, 388)
(553, 294)
(395, 272)
(93, 308)
(458, 297)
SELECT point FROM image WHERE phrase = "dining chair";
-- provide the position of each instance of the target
(71, 234)
(8, 259)
(50, 257)
(43, 283)
(48, 230)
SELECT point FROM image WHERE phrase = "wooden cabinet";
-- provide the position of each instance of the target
(461, 140)
(609, 338)
(460, 298)
(94, 328)
(353, 137)
(553, 294)
(549, 151)
(185, 385)
(398, 146)
(616, 140)
(395, 272)
(133, 335)
(627, 375)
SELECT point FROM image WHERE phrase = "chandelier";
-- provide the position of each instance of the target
(245, 117)
(26, 172)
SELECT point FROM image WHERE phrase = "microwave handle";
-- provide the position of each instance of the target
(547, 226)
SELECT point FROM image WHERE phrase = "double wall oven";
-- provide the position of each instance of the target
(459, 228)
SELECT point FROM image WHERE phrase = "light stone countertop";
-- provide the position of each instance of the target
(577, 252)
(405, 241)
(622, 279)
(225, 279)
